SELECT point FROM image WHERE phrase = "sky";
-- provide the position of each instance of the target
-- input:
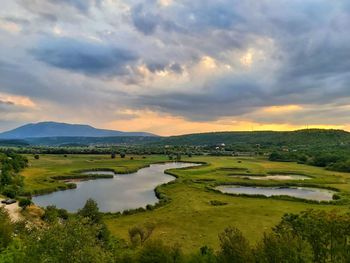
(174, 67)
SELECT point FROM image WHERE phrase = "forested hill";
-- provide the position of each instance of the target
(308, 138)
(300, 137)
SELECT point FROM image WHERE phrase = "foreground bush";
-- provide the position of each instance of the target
(311, 236)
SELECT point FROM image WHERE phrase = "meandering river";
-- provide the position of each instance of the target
(125, 191)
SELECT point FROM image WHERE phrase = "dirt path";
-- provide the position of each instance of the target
(14, 211)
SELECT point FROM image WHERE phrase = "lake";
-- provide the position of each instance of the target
(315, 194)
(123, 191)
(274, 177)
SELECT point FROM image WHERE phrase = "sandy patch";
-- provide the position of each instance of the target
(14, 211)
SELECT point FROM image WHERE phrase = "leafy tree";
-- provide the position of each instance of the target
(72, 241)
(36, 156)
(6, 229)
(24, 203)
(283, 246)
(91, 211)
(328, 233)
(5, 176)
(178, 157)
(113, 155)
(10, 191)
(206, 255)
(157, 252)
(51, 214)
(122, 155)
(234, 248)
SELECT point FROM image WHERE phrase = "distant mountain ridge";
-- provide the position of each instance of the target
(57, 129)
(298, 137)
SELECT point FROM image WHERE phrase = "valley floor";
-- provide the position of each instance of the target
(190, 219)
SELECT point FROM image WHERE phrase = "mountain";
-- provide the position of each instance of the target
(56, 129)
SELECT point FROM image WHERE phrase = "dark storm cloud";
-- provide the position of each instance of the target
(186, 16)
(158, 66)
(216, 99)
(81, 5)
(146, 17)
(84, 57)
(56, 10)
(144, 21)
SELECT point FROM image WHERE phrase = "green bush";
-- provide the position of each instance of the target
(24, 203)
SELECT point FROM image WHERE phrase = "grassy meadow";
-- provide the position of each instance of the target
(190, 219)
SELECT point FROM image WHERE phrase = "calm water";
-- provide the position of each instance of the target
(99, 173)
(115, 194)
(277, 177)
(300, 192)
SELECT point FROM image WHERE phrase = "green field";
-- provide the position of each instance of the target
(189, 219)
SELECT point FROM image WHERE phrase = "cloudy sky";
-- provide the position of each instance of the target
(173, 67)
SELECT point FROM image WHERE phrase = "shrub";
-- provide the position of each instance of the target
(157, 252)
(10, 191)
(91, 211)
(234, 248)
(24, 203)
(217, 203)
(6, 229)
(139, 234)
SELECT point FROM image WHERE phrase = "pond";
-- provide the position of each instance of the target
(308, 193)
(275, 177)
(100, 172)
(127, 191)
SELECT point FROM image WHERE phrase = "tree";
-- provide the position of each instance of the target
(234, 248)
(283, 246)
(327, 233)
(206, 255)
(71, 241)
(122, 155)
(139, 234)
(5, 176)
(178, 157)
(51, 214)
(6, 229)
(275, 156)
(91, 211)
(24, 203)
(156, 252)
(113, 155)
(36, 157)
